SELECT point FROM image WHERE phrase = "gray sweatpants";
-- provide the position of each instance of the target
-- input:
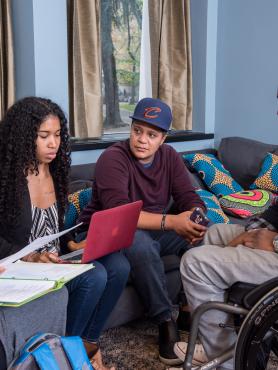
(45, 314)
(209, 270)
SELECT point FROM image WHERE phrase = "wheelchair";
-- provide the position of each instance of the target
(255, 310)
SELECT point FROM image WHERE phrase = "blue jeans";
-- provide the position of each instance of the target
(147, 269)
(93, 295)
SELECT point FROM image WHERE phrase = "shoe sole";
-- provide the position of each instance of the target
(170, 361)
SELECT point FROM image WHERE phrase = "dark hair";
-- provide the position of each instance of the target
(18, 133)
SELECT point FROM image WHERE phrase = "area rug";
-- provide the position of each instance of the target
(134, 347)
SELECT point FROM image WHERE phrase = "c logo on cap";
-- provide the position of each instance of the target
(150, 112)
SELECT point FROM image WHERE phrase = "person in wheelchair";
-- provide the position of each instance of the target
(229, 254)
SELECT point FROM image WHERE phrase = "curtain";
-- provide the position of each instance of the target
(171, 65)
(7, 90)
(84, 47)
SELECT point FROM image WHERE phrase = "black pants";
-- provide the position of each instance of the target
(3, 364)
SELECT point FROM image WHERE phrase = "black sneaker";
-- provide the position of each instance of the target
(168, 336)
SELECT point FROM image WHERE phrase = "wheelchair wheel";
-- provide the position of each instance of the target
(257, 333)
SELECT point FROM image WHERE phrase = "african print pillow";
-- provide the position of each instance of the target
(214, 211)
(247, 203)
(216, 177)
(77, 201)
(267, 178)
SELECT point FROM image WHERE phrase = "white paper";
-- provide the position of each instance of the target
(20, 290)
(43, 271)
(33, 246)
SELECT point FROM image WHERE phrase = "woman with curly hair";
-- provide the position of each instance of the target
(34, 172)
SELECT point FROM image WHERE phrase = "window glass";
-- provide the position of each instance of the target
(121, 26)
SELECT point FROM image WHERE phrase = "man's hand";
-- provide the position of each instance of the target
(186, 228)
(240, 239)
(73, 246)
(256, 239)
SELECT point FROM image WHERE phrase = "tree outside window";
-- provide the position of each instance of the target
(121, 26)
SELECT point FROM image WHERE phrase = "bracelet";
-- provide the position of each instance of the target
(162, 225)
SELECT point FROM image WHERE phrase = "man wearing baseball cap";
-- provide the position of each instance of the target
(145, 168)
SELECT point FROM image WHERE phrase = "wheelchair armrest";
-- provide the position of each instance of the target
(238, 291)
(252, 297)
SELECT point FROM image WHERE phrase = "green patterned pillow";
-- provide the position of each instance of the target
(247, 203)
(214, 211)
(268, 176)
(216, 177)
(77, 201)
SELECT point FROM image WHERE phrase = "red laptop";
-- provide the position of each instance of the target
(111, 230)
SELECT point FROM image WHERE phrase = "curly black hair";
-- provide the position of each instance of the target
(18, 134)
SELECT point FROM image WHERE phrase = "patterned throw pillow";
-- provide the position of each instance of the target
(268, 176)
(247, 203)
(214, 211)
(77, 201)
(212, 172)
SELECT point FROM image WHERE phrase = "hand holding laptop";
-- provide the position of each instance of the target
(109, 231)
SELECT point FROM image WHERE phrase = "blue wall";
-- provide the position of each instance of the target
(204, 44)
(198, 10)
(247, 70)
(23, 31)
(40, 40)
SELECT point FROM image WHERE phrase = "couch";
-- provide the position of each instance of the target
(242, 157)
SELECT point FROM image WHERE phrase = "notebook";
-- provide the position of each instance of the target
(24, 281)
(109, 231)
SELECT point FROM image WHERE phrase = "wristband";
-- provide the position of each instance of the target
(162, 225)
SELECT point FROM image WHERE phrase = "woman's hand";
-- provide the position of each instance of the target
(2, 269)
(45, 257)
(74, 246)
(186, 228)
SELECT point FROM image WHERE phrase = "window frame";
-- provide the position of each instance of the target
(109, 139)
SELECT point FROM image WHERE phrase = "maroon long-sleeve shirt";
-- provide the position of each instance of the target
(120, 178)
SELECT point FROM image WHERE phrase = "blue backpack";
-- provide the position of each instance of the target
(51, 352)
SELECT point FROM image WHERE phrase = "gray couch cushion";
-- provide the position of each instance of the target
(79, 184)
(243, 158)
(82, 172)
(197, 181)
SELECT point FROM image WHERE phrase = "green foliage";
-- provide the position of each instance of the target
(126, 33)
(127, 78)
(126, 106)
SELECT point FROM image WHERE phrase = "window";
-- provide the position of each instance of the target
(121, 26)
(111, 54)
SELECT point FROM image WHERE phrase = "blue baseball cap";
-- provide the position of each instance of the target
(153, 111)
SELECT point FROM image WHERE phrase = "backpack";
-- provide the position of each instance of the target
(47, 351)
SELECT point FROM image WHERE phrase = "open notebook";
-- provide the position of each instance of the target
(25, 281)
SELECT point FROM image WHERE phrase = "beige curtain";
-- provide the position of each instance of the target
(170, 38)
(85, 68)
(7, 91)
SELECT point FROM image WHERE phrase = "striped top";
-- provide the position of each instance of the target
(45, 222)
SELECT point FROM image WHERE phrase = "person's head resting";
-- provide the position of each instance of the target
(151, 121)
(33, 131)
